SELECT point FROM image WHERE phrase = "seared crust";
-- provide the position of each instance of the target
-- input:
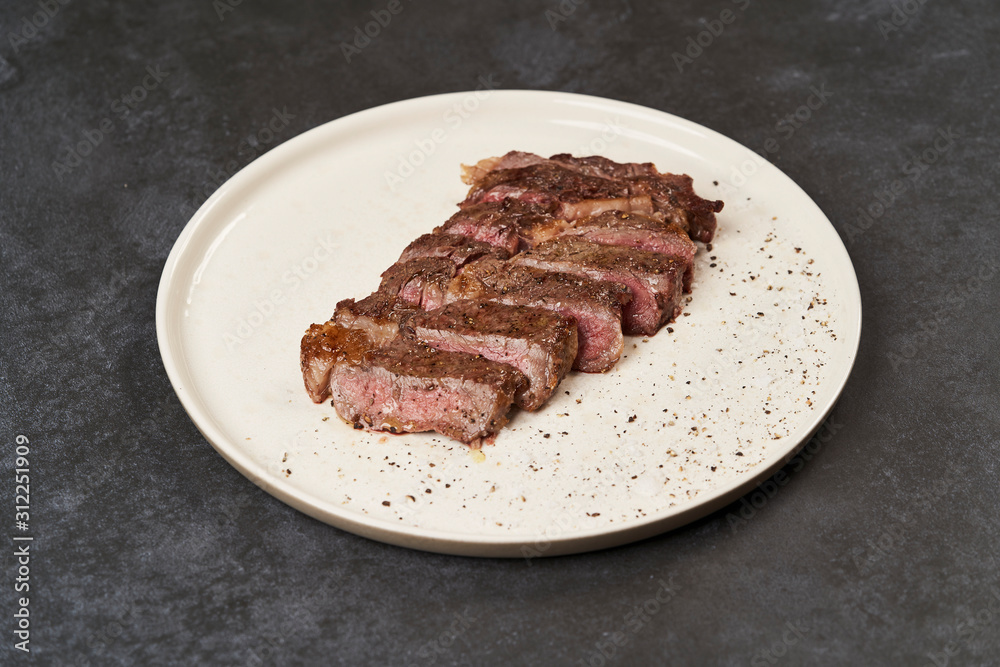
(595, 305)
(546, 265)
(410, 387)
(654, 280)
(540, 343)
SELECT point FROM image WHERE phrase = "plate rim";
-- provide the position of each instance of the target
(450, 542)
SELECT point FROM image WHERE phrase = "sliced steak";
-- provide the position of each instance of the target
(672, 195)
(508, 224)
(592, 184)
(323, 347)
(568, 193)
(377, 315)
(409, 387)
(472, 174)
(640, 231)
(540, 343)
(596, 306)
(653, 279)
(597, 165)
(459, 249)
(421, 282)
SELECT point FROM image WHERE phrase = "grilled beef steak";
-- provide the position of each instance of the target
(459, 249)
(510, 225)
(674, 198)
(630, 187)
(544, 267)
(409, 387)
(596, 306)
(569, 194)
(378, 315)
(654, 280)
(639, 231)
(673, 195)
(540, 343)
(421, 282)
(323, 347)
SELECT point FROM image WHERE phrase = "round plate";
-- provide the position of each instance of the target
(688, 421)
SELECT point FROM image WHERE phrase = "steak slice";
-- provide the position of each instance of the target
(540, 343)
(508, 224)
(644, 232)
(653, 279)
(599, 184)
(409, 387)
(472, 174)
(459, 249)
(421, 282)
(596, 306)
(323, 347)
(672, 195)
(568, 193)
(377, 315)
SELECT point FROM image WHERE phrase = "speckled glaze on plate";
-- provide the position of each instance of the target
(687, 422)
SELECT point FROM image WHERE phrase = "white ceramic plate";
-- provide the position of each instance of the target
(687, 422)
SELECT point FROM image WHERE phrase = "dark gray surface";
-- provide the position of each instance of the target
(150, 549)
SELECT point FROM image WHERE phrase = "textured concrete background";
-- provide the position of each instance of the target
(150, 549)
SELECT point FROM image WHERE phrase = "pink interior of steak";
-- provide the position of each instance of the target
(641, 232)
(420, 282)
(508, 224)
(323, 347)
(407, 387)
(458, 409)
(514, 159)
(540, 343)
(595, 305)
(602, 247)
(653, 280)
(630, 187)
(377, 315)
(459, 249)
